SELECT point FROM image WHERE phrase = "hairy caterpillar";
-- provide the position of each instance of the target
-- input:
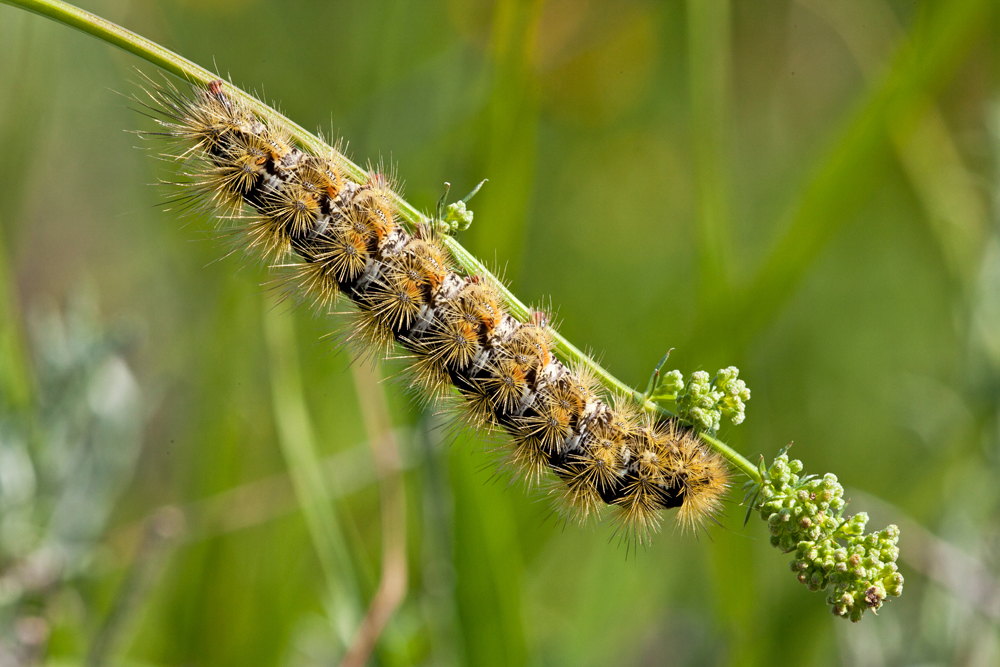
(342, 237)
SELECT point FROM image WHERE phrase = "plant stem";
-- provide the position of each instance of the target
(171, 62)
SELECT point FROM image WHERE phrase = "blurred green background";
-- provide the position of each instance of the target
(192, 472)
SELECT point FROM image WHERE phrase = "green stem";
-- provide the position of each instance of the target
(189, 71)
(733, 456)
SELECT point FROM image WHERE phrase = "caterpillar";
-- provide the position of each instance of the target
(342, 238)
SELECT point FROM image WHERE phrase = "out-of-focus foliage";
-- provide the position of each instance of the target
(65, 455)
(805, 189)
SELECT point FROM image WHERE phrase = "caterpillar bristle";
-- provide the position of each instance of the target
(344, 255)
(452, 342)
(395, 300)
(294, 208)
(593, 472)
(705, 482)
(366, 334)
(550, 425)
(312, 279)
(528, 459)
(427, 380)
(265, 238)
(332, 235)
(476, 410)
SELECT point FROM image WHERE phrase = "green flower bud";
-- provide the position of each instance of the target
(673, 382)
(805, 516)
(704, 401)
(458, 216)
(893, 584)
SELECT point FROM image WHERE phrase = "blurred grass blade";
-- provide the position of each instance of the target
(298, 445)
(843, 179)
(708, 80)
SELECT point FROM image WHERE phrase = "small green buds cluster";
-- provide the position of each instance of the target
(805, 516)
(703, 402)
(457, 216)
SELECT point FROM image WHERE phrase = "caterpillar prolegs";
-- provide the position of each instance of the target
(343, 238)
